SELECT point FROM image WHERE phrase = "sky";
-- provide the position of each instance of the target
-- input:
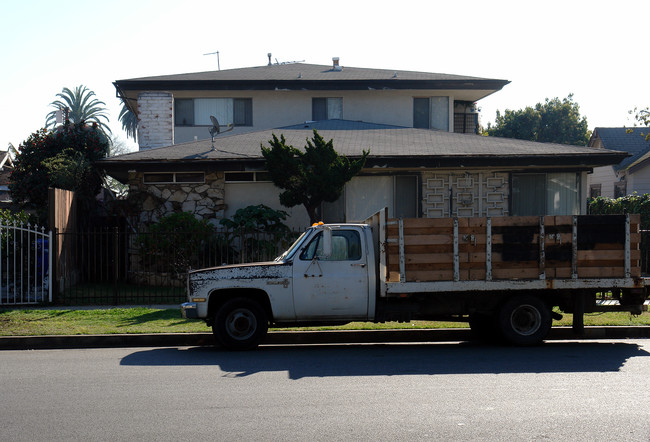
(548, 49)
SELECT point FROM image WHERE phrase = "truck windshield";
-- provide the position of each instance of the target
(291, 250)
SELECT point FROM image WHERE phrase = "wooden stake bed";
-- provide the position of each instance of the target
(512, 249)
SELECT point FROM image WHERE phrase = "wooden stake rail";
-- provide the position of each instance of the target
(512, 248)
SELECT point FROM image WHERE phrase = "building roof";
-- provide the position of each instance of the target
(307, 72)
(630, 140)
(390, 147)
(302, 76)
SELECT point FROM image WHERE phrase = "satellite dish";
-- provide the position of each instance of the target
(216, 127)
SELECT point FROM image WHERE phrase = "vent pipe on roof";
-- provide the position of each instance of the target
(269, 55)
(335, 64)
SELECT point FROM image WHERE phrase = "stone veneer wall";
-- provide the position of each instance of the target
(472, 194)
(155, 119)
(205, 200)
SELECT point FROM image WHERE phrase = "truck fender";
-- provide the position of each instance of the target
(219, 297)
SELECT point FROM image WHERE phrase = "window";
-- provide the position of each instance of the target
(620, 189)
(197, 111)
(465, 123)
(431, 113)
(326, 108)
(595, 190)
(365, 195)
(173, 177)
(545, 194)
(346, 246)
(247, 177)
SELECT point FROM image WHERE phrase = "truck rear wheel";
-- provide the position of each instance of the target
(524, 320)
(240, 324)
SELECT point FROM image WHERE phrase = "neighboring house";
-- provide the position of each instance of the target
(414, 172)
(6, 166)
(174, 109)
(628, 176)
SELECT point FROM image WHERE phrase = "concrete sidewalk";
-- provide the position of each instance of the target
(293, 338)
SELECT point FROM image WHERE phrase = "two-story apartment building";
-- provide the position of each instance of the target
(175, 109)
(419, 165)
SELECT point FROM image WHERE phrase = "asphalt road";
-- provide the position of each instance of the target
(562, 390)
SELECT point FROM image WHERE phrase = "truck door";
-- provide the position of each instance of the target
(335, 286)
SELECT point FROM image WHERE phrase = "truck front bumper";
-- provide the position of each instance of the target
(189, 310)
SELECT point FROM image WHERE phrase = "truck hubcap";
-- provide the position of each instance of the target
(525, 320)
(241, 324)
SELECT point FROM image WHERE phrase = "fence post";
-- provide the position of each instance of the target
(116, 265)
(54, 270)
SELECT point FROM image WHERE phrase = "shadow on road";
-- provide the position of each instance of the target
(398, 359)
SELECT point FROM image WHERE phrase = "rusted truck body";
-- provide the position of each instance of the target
(507, 276)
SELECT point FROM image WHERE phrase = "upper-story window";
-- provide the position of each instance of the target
(197, 111)
(326, 108)
(431, 113)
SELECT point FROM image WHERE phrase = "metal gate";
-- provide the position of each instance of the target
(25, 264)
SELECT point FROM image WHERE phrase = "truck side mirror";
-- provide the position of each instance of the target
(327, 243)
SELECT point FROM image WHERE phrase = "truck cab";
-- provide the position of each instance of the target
(326, 277)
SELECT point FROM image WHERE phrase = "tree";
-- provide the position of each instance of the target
(61, 158)
(129, 122)
(311, 177)
(82, 107)
(554, 121)
(642, 117)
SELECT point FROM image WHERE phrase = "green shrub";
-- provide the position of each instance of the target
(259, 232)
(177, 242)
(634, 203)
(9, 218)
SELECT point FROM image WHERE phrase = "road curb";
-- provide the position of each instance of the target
(294, 337)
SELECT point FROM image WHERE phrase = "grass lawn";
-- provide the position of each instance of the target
(33, 322)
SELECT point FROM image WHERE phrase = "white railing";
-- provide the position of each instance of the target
(25, 264)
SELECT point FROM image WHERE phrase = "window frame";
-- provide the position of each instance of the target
(545, 199)
(343, 198)
(595, 190)
(309, 252)
(326, 111)
(430, 112)
(174, 177)
(246, 176)
(245, 105)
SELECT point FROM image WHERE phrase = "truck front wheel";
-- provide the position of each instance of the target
(240, 324)
(525, 320)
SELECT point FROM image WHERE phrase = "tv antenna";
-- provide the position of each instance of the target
(216, 128)
(218, 62)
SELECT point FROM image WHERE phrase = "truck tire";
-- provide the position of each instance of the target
(524, 320)
(240, 324)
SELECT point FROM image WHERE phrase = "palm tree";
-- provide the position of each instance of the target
(81, 107)
(129, 122)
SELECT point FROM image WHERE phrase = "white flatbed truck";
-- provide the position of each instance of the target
(502, 275)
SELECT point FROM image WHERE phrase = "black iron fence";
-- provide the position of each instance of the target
(114, 267)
